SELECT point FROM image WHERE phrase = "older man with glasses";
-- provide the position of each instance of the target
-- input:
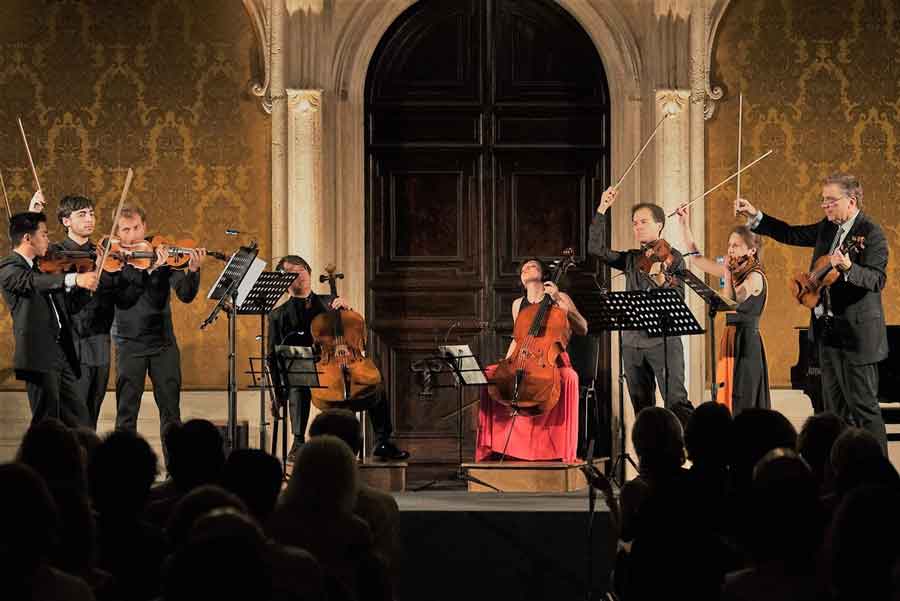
(848, 323)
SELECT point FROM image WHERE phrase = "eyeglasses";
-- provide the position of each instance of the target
(828, 202)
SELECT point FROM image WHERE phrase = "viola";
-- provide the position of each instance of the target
(655, 260)
(807, 287)
(67, 261)
(529, 379)
(346, 376)
(142, 254)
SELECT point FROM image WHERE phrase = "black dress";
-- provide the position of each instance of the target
(750, 375)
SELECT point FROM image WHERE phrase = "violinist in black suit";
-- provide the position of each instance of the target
(45, 357)
(92, 322)
(848, 324)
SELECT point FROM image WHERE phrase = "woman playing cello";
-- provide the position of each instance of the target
(742, 375)
(550, 435)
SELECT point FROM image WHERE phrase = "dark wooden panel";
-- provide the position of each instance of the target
(426, 213)
(544, 203)
(431, 53)
(535, 127)
(542, 54)
(404, 304)
(425, 126)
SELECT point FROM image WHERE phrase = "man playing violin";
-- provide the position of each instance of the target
(848, 324)
(645, 358)
(91, 324)
(45, 356)
(144, 334)
(289, 324)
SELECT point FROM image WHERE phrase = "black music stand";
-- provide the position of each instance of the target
(666, 315)
(715, 303)
(229, 289)
(463, 364)
(612, 313)
(261, 300)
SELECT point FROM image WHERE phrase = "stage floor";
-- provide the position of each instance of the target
(513, 546)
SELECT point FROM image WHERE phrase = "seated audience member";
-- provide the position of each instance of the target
(707, 438)
(29, 531)
(316, 514)
(222, 557)
(52, 450)
(786, 533)
(862, 549)
(378, 508)
(256, 477)
(854, 460)
(88, 439)
(659, 444)
(814, 444)
(295, 573)
(121, 472)
(670, 534)
(196, 457)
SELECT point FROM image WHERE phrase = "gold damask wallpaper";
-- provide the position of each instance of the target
(158, 86)
(821, 86)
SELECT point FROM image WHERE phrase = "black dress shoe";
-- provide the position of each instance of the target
(389, 451)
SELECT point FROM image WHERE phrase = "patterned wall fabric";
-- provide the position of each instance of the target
(158, 86)
(821, 82)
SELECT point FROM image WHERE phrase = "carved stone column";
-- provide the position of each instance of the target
(677, 153)
(309, 233)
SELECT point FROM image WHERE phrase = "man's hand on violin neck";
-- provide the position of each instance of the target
(198, 255)
(743, 207)
(88, 280)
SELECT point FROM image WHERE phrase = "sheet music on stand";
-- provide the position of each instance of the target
(269, 286)
(241, 264)
(465, 365)
(669, 314)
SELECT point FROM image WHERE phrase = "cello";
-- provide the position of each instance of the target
(346, 375)
(529, 380)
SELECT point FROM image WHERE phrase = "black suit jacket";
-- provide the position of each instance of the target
(855, 299)
(35, 328)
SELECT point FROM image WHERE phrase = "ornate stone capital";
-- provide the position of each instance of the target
(261, 63)
(702, 89)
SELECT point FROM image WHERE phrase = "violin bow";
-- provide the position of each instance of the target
(641, 151)
(37, 182)
(115, 222)
(720, 184)
(739, 144)
(5, 197)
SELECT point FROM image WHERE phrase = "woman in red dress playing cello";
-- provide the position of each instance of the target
(552, 435)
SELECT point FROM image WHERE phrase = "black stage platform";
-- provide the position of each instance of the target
(463, 546)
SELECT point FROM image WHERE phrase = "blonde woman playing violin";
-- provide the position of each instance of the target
(742, 374)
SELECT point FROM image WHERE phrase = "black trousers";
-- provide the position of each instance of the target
(851, 391)
(92, 388)
(56, 394)
(378, 410)
(644, 367)
(164, 368)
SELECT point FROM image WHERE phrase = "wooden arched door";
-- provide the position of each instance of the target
(487, 141)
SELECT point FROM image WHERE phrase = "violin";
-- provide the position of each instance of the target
(740, 267)
(529, 379)
(142, 254)
(67, 261)
(655, 260)
(346, 375)
(807, 287)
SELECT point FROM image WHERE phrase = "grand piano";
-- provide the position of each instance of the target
(807, 376)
